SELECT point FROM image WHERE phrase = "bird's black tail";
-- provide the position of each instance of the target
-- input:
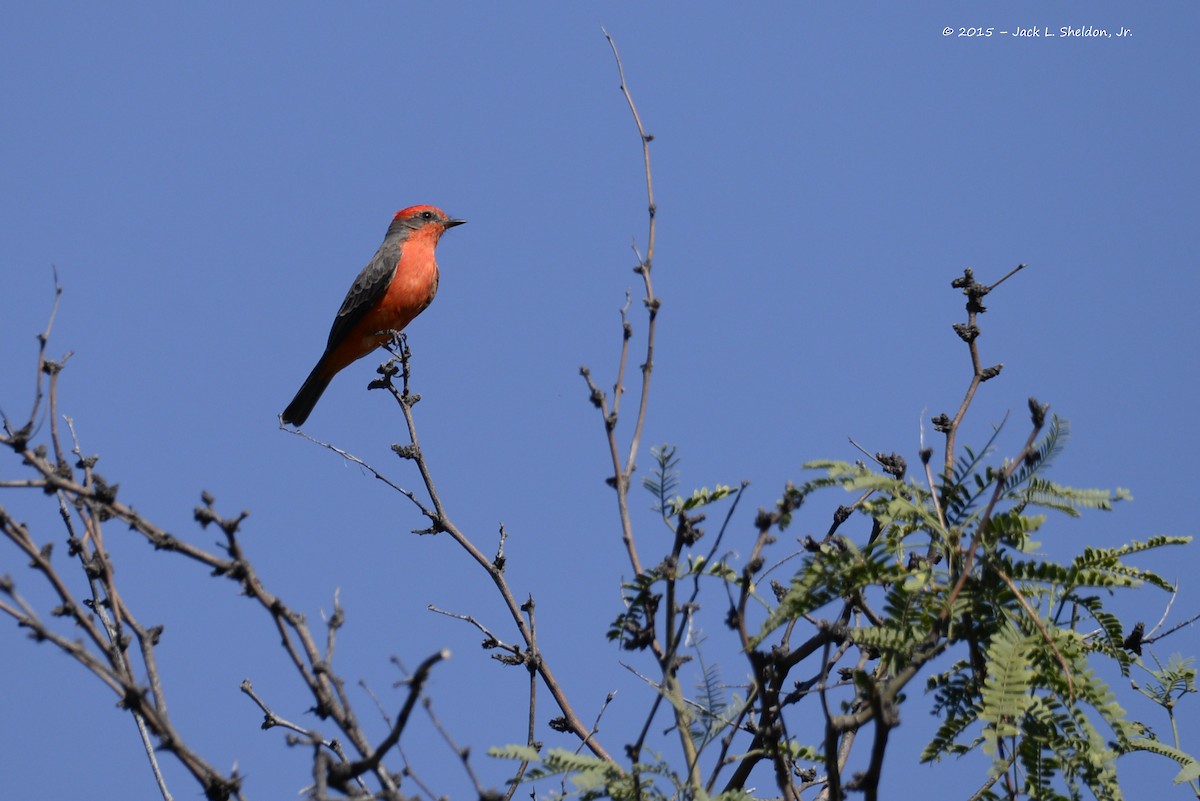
(302, 405)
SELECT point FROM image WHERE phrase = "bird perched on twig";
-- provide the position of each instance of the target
(394, 287)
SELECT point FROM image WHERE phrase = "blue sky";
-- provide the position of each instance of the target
(208, 178)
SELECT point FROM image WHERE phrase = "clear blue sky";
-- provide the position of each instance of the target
(208, 178)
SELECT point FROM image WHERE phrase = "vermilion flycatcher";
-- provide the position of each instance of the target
(391, 290)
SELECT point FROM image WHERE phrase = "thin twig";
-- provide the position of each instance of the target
(349, 457)
(1173, 629)
(441, 522)
(341, 773)
(463, 753)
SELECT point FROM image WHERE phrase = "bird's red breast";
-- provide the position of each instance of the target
(412, 288)
(395, 286)
(408, 280)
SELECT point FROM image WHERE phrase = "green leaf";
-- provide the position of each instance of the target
(520, 753)
(1005, 694)
(700, 497)
(664, 477)
(839, 569)
(1191, 768)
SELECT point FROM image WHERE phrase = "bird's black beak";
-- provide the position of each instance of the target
(452, 223)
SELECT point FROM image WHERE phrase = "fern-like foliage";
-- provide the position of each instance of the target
(1171, 681)
(634, 627)
(956, 568)
(838, 569)
(663, 478)
(663, 481)
(1024, 627)
(1047, 448)
(1005, 696)
(1189, 766)
(713, 706)
(588, 777)
(700, 497)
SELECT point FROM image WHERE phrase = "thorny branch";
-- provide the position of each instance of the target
(439, 522)
(623, 468)
(86, 500)
(531, 655)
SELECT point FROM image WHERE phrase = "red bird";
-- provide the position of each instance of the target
(391, 290)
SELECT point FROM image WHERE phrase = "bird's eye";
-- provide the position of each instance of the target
(427, 215)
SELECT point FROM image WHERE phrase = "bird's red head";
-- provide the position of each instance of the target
(420, 216)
